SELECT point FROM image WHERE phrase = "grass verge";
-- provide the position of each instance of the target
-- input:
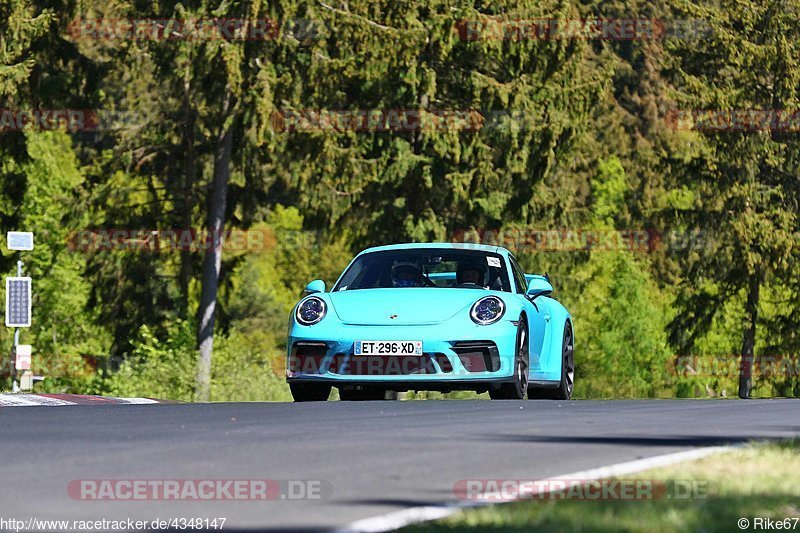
(757, 481)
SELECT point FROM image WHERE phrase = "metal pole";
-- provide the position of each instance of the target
(15, 385)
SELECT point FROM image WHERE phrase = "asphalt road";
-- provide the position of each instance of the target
(372, 458)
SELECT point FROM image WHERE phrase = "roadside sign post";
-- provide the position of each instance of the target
(20, 240)
(18, 308)
(18, 302)
(22, 364)
(22, 357)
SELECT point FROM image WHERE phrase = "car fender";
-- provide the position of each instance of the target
(556, 317)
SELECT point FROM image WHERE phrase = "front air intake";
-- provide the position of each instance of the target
(478, 356)
(306, 357)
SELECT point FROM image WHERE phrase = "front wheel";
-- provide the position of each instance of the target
(310, 392)
(515, 390)
(567, 383)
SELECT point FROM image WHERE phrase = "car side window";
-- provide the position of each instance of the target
(519, 276)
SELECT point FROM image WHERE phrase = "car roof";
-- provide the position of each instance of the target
(451, 245)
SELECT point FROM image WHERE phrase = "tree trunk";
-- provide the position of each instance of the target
(189, 169)
(212, 261)
(749, 336)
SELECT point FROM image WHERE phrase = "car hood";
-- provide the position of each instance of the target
(408, 306)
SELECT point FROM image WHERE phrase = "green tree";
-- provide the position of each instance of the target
(424, 183)
(24, 26)
(744, 182)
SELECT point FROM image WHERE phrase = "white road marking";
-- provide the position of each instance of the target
(29, 400)
(33, 400)
(137, 401)
(414, 515)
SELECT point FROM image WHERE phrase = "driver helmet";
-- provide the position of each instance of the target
(465, 266)
(406, 275)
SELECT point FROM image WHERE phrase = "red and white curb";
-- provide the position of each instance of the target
(33, 400)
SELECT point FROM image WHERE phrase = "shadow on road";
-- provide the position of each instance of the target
(633, 440)
(395, 502)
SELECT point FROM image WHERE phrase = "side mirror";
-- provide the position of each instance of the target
(315, 286)
(539, 286)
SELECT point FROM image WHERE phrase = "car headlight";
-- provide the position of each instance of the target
(487, 310)
(310, 311)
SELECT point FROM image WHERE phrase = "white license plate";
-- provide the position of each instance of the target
(388, 348)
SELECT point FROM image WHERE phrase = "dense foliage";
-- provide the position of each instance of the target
(560, 148)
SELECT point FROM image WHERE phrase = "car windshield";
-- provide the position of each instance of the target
(427, 267)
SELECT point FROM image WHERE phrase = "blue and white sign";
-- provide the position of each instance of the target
(18, 302)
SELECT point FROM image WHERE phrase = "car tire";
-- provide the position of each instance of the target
(366, 394)
(310, 392)
(567, 383)
(515, 390)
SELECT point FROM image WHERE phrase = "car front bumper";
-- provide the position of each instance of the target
(456, 354)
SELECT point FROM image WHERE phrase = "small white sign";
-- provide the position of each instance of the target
(23, 360)
(19, 240)
(26, 380)
(493, 261)
(24, 349)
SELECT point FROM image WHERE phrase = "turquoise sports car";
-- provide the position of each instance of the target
(436, 316)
